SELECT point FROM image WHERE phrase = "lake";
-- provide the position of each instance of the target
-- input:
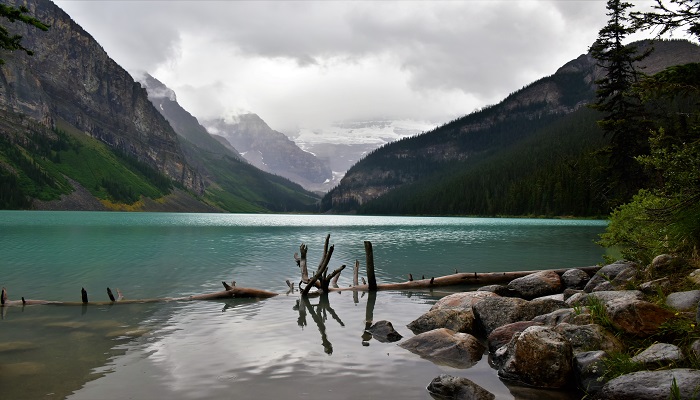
(276, 348)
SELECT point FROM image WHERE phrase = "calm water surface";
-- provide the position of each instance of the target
(242, 349)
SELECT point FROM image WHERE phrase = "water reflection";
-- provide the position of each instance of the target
(319, 313)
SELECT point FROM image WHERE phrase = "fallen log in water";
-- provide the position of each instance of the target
(464, 278)
(231, 292)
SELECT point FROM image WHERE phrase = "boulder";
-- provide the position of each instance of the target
(457, 388)
(655, 286)
(589, 337)
(695, 277)
(637, 317)
(684, 301)
(575, 279)
(461, 300)
(589, 368)
(498, 311)
(538, 284)
(383, 331)
(570, 292)
(606, 296)
(542, 306)
(445, 347)
(456, 319)
(652, 385)
(538, 356)
(659, 353)
(558, 297)
(565, 315)
(695, 348)
(607, 274)
(503, 334)
(493, 312)
(497, 289)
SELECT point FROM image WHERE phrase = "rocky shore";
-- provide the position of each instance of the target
(627, 332)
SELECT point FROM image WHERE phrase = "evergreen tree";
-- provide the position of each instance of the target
(669, 16)
(14, 42)
(623, 115)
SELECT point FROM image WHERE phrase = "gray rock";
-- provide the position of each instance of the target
(383, 331)
(570, 292)
(445, 347)
(659, 353)
(589, 368)
(538, 284)
(655, 286)
(652, 385)
(607, 274)
(458, 320)
(589, 338)
(662, 260)
(575, 279)
(695, 348)
(558, 297)
(498, 311)
(497, 289)
(457, 388)
(695, 276)
(461, 300)
(503, 334)
(628, 274)
(684, 301)
(565, 315)
(540, 357)
(605, 296)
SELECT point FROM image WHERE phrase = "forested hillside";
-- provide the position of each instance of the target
(538, 152)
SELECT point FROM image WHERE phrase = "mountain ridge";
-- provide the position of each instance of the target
(489, 130)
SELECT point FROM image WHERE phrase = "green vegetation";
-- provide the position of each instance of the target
(36, 167)
(239, 187)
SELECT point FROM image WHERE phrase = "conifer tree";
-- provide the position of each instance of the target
(14, 42)
(623, 116)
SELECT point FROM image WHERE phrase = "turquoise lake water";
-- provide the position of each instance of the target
(242, 349)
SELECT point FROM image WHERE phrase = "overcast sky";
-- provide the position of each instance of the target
(308, 63)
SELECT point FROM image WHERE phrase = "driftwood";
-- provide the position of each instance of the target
(321, 280)
(230, 292)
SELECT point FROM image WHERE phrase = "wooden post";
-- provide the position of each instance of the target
(355, 274)
(372, 286)
(302, 263)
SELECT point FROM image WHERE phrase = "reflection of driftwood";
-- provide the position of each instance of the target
(319, 313)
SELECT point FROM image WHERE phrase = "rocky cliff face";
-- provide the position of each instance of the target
(270, 150)
(71, 78)
(184, 123)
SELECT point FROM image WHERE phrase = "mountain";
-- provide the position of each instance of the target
(232, 184)
(478, 164)
(270, 150)
(342, 144)
(77, 132)
(182, 122)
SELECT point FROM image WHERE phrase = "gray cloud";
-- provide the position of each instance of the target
(291, 61)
